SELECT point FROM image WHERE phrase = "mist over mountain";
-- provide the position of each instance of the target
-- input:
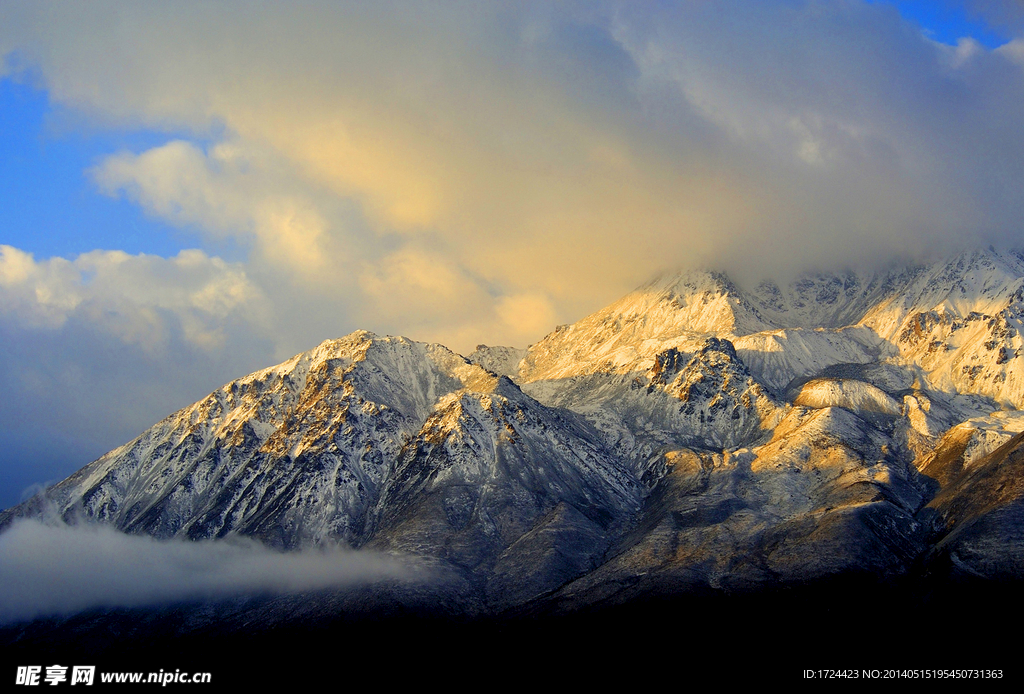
(692, 437)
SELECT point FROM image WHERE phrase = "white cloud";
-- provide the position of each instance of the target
(966, 49)
(230, 192)
(58, 569)
(1013, 50)
(178, 182)
(37, 295)
(525, 142)
(129, 296)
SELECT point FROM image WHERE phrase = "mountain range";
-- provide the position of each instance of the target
(698, 437)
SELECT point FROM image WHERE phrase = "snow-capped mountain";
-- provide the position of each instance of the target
(693, 434)
(292, 454)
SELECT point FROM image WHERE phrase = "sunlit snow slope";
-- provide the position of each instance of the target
(693, 434)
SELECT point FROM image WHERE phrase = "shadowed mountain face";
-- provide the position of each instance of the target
(690, 437)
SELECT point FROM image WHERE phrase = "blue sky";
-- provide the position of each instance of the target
(48, 206)
(948, 22)
(189, 192)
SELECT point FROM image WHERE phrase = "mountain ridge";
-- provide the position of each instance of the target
(691, 434)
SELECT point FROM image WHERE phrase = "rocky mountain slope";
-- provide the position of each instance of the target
(692, 436)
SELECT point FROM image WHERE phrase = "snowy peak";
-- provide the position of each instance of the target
(980, 282)
(948, 321)
(501, 453)
(697, 301)
(673, 310)
(824, 300)
(400, 373)
(292, 454)
(503, 361)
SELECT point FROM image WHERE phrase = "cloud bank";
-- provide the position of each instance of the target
(523, 148)
(58, 569)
